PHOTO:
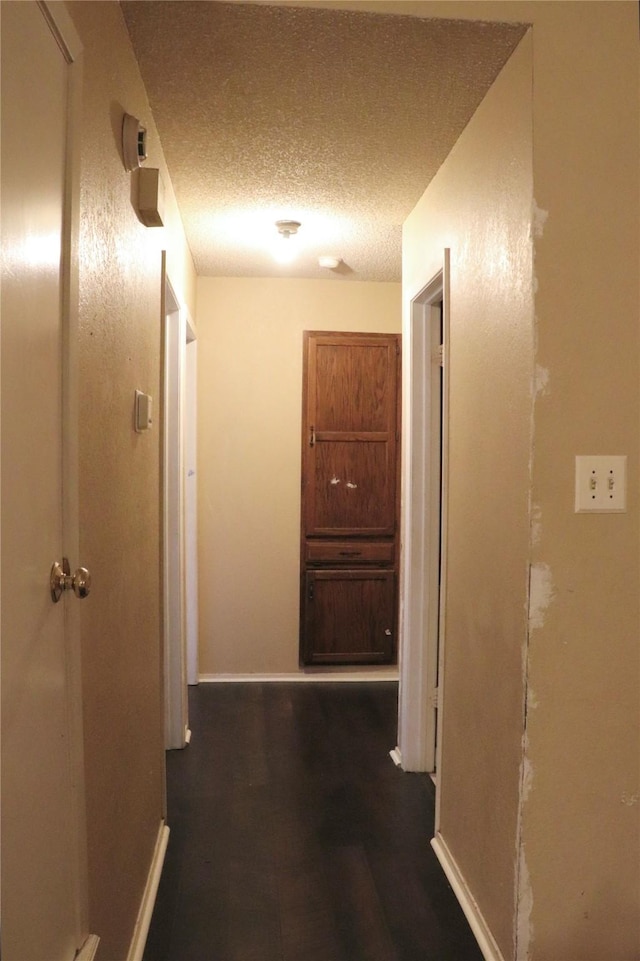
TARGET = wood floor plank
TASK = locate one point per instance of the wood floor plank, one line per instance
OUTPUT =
(307, 914)
(253, 919)
(360, 916)
(294, 837)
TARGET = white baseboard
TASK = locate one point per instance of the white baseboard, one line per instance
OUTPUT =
(88, 950)
(141, 930)
(314, 678)
(481, 932)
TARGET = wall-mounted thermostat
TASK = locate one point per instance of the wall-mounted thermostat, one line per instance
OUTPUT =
(142, 412)
(134, 142)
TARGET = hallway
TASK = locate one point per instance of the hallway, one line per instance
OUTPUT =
(295, 838)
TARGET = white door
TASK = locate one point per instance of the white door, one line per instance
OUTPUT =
(175, 661)
(191, 503)
(43, 878)
(423, 528)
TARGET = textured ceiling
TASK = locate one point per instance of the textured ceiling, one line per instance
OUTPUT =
(335, 118)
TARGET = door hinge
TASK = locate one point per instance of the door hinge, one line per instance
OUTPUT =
(433, 697)
(438, 356)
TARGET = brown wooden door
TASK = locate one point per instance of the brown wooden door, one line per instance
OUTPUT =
(349, 616)
(349, 497)
(351, 426)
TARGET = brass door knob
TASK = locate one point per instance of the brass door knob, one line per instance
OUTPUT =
(61, 579)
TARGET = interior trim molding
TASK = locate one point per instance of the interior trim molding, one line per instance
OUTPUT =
(88, 950)
(308, 677)
(141, 930)
(477, 923)
(423, 569)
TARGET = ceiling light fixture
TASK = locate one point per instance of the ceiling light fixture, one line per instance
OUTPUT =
(285, 251)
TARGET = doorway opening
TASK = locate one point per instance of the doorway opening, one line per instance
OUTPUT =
(424, 526)
(179, 519)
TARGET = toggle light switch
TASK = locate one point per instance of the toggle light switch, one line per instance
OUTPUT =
(601, 483)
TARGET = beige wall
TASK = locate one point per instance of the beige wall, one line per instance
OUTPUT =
(249, 423)
(119, 351)
(581, 836)
(573, 853)
(479, 206)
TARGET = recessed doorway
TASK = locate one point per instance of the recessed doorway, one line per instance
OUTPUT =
(423, 526)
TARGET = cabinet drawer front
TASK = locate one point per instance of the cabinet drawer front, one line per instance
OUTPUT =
(349, 552)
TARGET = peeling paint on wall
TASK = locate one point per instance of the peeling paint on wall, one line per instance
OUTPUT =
(541, 594)
(539, 218)
(536, 524)
(541, 382)
(630, 799)
(523, 933)
(524, 928)
(527, 779)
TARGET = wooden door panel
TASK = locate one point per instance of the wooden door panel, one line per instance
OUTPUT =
(349, 617)
(350, 434)
(354, 387)
(353, 488)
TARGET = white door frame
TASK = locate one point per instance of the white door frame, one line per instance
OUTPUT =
(422, 573)
(191, 501)
(173, 567)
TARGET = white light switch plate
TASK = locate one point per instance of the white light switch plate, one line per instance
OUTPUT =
(601, 483)
(142, 413)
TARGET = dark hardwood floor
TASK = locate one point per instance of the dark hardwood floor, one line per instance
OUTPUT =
(295, 838)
